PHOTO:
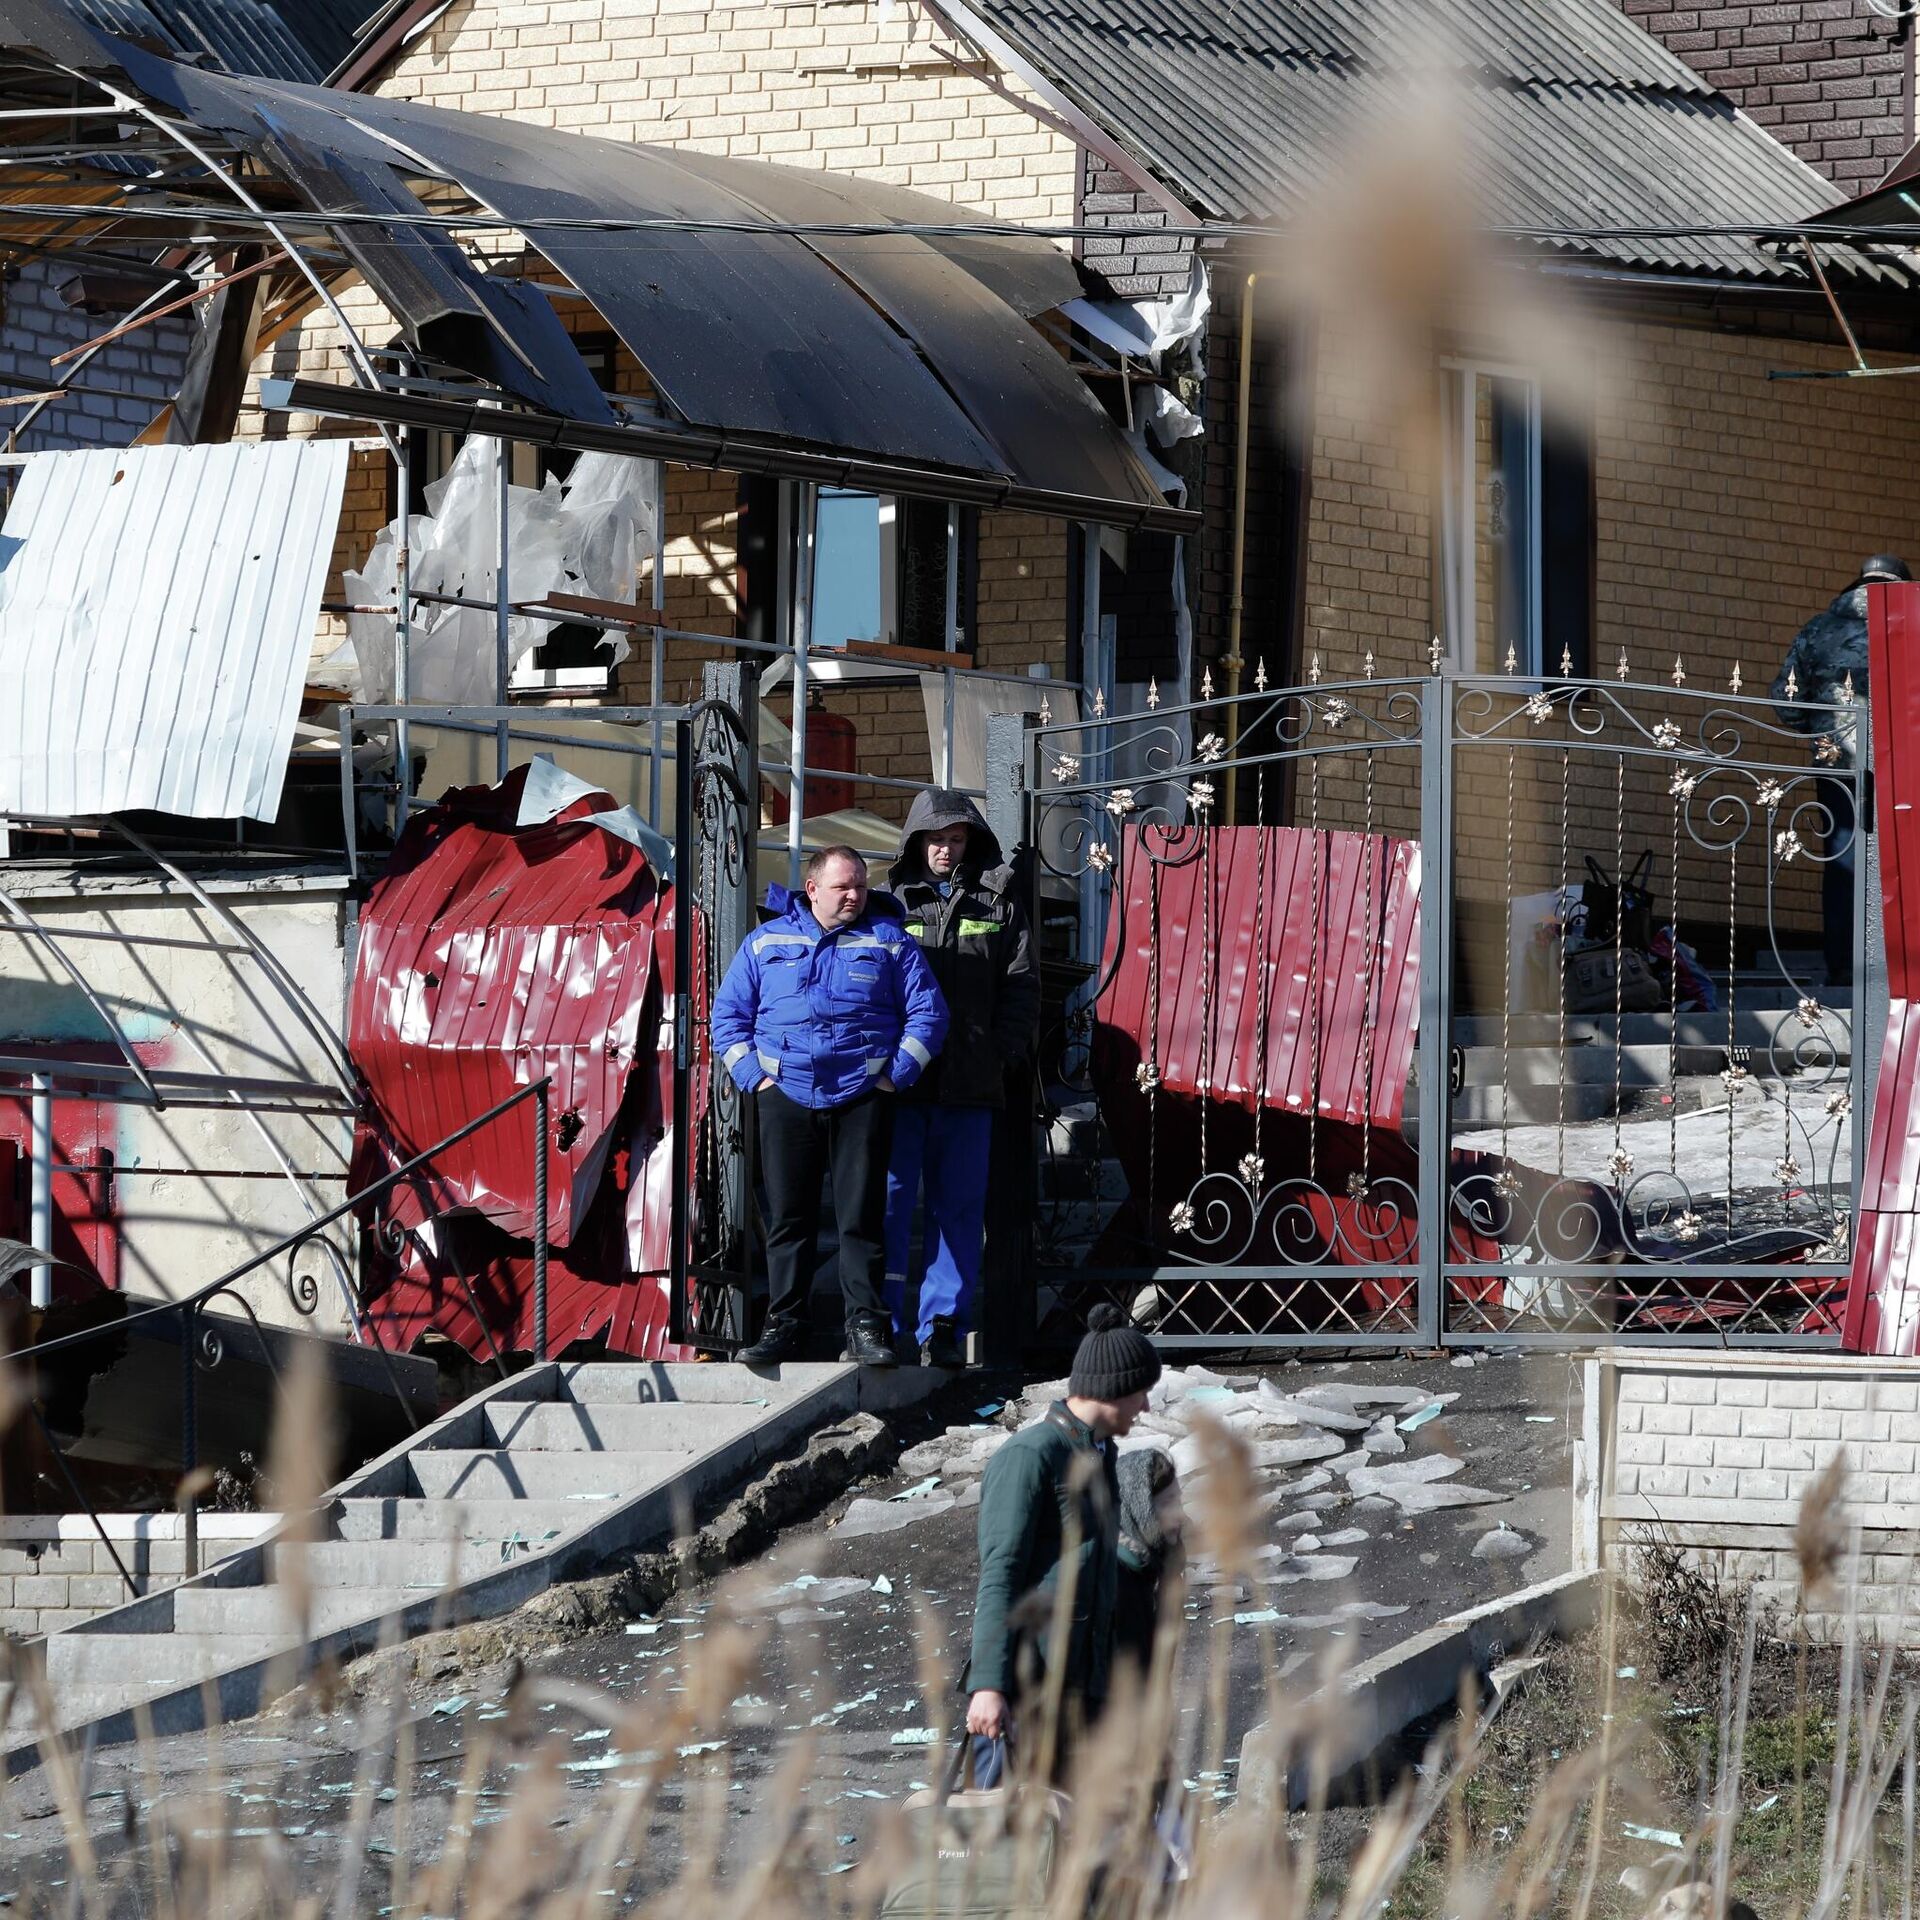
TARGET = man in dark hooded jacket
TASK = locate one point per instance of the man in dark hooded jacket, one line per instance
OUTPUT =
(1827, 652)
(958, 894)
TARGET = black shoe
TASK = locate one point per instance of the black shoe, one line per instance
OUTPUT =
(779, 1340)
(870, 1342)
(943, 1346)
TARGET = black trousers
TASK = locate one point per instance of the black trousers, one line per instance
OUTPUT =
(849, 1146)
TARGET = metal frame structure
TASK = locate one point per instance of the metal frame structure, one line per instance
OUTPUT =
(1539, 1240)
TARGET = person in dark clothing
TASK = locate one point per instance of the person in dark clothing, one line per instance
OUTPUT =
(1056, 1477)
(824, 1012)
(1827, 652)
(957, 893)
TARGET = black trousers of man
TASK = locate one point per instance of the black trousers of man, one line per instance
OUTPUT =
(799, 1146)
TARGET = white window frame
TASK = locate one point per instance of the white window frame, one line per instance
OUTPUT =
(1460, 482)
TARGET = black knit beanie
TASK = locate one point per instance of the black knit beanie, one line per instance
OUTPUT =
(1114, 1359)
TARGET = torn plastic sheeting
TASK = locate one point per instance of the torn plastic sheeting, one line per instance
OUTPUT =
(583, 536)
(1146, 328)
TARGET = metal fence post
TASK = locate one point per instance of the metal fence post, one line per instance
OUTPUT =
(686, 869)
(1436, 994)
(1005, 1319)
(542, 1138)
(189, 1437)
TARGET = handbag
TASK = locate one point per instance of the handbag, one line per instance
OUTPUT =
(970, 1857)
(1599, 980)
(1627, 905)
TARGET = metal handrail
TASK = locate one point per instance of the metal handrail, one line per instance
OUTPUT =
(305, 1295)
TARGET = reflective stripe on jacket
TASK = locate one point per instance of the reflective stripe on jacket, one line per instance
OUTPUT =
(826, 1015)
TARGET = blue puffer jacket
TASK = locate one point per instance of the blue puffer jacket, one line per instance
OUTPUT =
(824, 1015)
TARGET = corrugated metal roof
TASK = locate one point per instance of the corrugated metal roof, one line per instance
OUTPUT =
(271, 39)
(157, 607)
(1530, 40)
(1573, 116)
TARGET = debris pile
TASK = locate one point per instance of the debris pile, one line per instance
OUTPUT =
(1339, 1466)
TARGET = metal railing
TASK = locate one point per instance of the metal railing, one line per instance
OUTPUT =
(1369, 898)
(203, 1346)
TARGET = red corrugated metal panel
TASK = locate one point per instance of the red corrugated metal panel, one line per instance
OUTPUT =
(1883, 1291)
(1268, 879)
(490, 955)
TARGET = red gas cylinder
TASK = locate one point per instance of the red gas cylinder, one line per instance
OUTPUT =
(830, 745)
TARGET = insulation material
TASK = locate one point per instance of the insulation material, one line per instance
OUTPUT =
(515, 937)
(157, 607)
(585, 535)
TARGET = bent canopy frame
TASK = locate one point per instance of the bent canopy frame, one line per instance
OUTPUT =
(781, 316)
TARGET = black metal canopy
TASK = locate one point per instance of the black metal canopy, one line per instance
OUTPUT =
(887, 349)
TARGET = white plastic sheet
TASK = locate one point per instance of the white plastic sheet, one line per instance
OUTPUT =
(583, 536)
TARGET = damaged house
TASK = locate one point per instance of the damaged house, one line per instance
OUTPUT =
(585, 377)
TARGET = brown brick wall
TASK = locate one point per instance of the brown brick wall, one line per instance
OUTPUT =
(1830, 78)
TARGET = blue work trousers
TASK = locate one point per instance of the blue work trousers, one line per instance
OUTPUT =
(946, 1148)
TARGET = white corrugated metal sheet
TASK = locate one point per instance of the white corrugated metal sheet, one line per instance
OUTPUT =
(157, 607)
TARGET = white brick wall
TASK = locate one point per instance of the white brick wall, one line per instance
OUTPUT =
(1716, 1451)
(56, 1571)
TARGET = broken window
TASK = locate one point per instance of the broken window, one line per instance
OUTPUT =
(880, 570)
(1516, 526)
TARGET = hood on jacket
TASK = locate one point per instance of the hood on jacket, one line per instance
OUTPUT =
(932, 809)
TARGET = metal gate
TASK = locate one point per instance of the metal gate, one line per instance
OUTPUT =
(1347, 1043)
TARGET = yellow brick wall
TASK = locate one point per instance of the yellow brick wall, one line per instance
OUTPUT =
(1729, 508)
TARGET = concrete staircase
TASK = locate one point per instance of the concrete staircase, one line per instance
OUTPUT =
(536, 1480)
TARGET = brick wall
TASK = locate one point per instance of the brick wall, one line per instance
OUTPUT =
(1830, 78)
(1729, 508)
(39, 324)
(1716, 1451)
(55, 1571)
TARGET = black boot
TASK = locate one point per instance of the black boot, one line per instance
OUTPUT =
(943, 1346)
(779, 1340)
(870, 1341)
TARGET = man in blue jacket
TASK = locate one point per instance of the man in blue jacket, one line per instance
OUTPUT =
(824, 1013)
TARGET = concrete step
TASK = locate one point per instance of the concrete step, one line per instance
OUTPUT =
(1588, 1063)
(460, 1473)
(550, 1426)
(138, 1665)
(269, 1610)
(459, 1519)
(419, 1566)
(1754, 1025)
(631, 1383)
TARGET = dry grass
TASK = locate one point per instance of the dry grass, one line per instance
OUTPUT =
(1787, 1772)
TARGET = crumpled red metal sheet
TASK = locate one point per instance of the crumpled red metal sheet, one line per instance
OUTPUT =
(1251, 900)
(491, 955)
(1883, 1290)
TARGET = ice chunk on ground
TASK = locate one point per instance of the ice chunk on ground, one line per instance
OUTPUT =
(1503, 1543)
(1296, 1522)
(1383, 1437)
(1346, 1537)
(1310, 1566)
(1404, 1473)
(1432, 1496)
(1309, 1445)
(888, 1516)
(1306, 1412)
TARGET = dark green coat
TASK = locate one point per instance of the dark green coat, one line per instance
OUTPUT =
(1024, 1501)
